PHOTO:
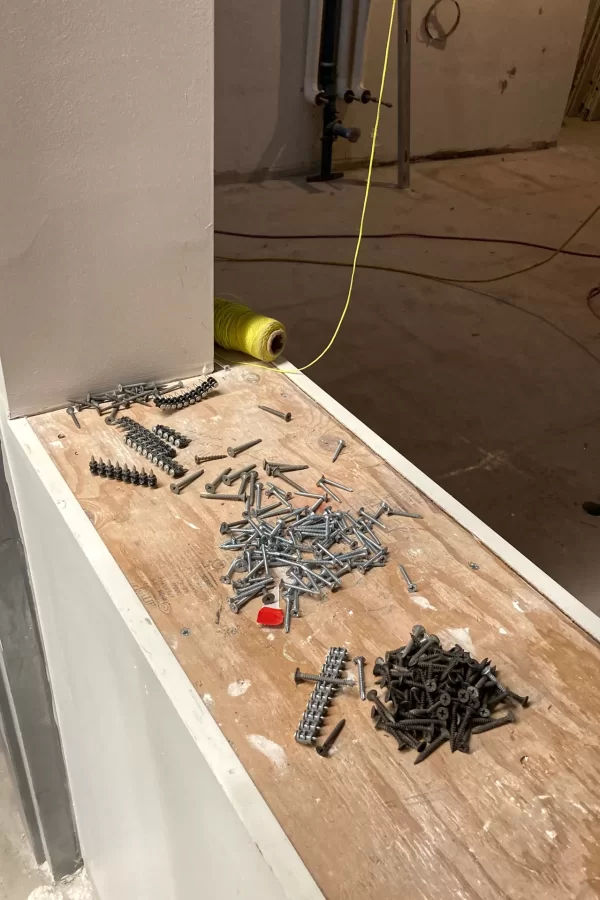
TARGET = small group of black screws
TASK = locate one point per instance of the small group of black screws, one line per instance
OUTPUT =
(171, 436)
(188, 398)
(151, 447)
(434, 696)
(122, 473)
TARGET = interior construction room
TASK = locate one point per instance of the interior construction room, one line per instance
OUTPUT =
(300, 496)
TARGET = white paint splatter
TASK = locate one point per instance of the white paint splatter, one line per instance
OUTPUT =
(551, 835)
(239, 687)
(270, 637)
(208, 700)
(56, 444)
(350, 613)
(190, 525)
(517, 607)
(503, 631)
(62, 504)
(486, 825)
(287, 656)
(543, 796)
(75, 887)
(458, 636)
(269, 749)
(423, 602)
(579, 807)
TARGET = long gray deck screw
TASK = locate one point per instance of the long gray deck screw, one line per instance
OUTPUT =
(278, 474)
(212, 486)
(71, 412)
(409, 582)
(338, 450)
(220, 496)
(232, 477)
(233, 451)
(178, 486)
(494, 723)
(360, 662)
(286, 416)
(329, 741)
(299, 677)
(432, 746)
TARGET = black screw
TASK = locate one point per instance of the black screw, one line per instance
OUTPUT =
(185, 632)
(494, 723)
(432, 746)
(328, 743)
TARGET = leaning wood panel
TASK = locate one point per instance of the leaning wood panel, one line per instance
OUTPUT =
(520, 814)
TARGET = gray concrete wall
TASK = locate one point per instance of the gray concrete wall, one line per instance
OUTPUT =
(500, 81)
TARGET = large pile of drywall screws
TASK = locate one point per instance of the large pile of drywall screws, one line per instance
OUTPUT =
(316, 548)
(433, 696)
(117, 472)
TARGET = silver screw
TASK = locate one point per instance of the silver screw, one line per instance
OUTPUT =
(338, 450)
(409, 582)
(233, 451)
(275, 412)
(360, 662)
(288, 615)
(336, 484)
(299, 677)
(71, 412)
(178, 486)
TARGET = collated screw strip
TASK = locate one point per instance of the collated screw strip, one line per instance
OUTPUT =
(170, 435)
(318, 703)
(188, 398)
(123, 473)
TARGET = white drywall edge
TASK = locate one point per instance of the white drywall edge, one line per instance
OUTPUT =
(538, 579)
(260, 823)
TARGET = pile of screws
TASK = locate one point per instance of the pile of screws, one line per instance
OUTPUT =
(122, 473)
(123, 396)
(326, 685)
(171, 436)
(436, 695)
(302, 541)
(188, 398)
(151, 447)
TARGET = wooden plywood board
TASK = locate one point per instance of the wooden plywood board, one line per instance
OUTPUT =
(520, 813)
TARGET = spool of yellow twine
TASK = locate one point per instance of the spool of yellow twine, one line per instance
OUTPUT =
(237, 327)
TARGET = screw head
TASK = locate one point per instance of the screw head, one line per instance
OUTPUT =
(185, 632)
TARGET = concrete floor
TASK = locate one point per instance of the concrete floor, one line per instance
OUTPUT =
(20, 878)
(495, 397)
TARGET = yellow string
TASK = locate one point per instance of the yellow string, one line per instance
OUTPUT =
(362, 217)
(237, 327)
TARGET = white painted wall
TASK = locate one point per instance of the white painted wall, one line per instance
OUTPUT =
(106, 154)
(459, 101)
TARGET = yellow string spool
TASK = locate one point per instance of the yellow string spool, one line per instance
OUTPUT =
(237, 327)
